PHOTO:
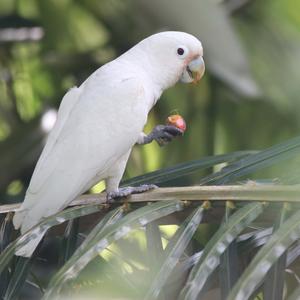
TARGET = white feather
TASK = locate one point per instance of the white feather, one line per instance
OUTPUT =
(87, 141)
(82, 148)
(97, 125)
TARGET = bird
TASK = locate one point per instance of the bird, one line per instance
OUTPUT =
(100, 121)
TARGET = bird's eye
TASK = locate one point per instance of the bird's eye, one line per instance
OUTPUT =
(180, 51)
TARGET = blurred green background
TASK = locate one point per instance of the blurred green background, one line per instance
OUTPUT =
(248, 98)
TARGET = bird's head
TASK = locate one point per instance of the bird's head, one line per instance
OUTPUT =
(171, 56)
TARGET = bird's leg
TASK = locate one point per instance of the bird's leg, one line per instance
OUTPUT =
(126, 191)
(112, 182)
(162, 134)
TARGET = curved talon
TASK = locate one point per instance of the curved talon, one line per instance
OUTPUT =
(126, 191)
(173, 130)
(163, 134)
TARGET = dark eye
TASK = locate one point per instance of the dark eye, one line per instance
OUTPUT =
(180, 51)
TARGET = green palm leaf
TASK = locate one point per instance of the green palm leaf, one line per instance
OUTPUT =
(109, 219)
(18, 278)
(186, 168)
(216, 246)
(229, 263)
(69, 241)
(154, 245)
(43, 226)
(6, 230)
(279, 242)
(174, 251)
(254, 162)
(274, 283)
(295, 295)
(99, 242)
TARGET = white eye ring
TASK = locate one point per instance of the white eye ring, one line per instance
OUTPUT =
(182, 52)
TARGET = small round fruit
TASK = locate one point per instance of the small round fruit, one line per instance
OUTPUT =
(177, 121)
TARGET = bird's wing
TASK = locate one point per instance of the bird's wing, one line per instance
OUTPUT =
(67, 104)
(100, 126)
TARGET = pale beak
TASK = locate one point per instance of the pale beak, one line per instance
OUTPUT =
(194, 71)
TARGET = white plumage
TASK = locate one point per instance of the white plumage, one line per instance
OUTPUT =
(98, 123)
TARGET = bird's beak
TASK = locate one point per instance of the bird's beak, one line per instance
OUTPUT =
(194, 71)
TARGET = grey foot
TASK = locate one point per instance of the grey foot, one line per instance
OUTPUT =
(126, 191)
(163, 134)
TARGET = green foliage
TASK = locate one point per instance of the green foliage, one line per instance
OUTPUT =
(153, 251)
(56, 219)
(106, 236)
(110, 246)
(216, 246)
(174, 251)
(266, 257)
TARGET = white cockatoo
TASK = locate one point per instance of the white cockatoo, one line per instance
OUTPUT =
(99, 122)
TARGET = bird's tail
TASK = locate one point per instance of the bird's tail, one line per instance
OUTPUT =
(18, 218)
(28, 248)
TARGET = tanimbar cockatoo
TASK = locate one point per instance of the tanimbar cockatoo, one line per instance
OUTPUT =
(100, 121)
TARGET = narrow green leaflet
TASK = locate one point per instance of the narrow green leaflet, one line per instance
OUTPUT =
(216, 246)
(109, 219)
(279, 242)
(111, 233)
(254, 239)
(174, 250)
(183, 169)
(154, 246)
(274, 283)
(18, 278)
(43, 226)
(295, 295)
(229, 263)
(6, 229)
(254, 162)
(69, 241)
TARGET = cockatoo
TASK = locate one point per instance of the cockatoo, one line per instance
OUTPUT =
(100, 121)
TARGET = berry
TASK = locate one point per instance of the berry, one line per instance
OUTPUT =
(177, 121)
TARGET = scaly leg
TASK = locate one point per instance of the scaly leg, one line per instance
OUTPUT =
(113, 180)
(129, 190)
(162, 134)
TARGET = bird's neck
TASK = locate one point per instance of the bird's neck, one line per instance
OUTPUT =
(160, 75)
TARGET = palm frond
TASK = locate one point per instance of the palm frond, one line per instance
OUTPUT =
(279, 242)
(113, 232)
(43, 226)
(154, 245)
(69, 241)
(183, 169)
(238, 236)
(210, 258)
(254, 162)
(295, 295)
(18, 277)
(229, 264)
(274, 283)
(6, 230)
(174, 251)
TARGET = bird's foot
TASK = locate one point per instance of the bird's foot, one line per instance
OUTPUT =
(126, 191)
(163, 134)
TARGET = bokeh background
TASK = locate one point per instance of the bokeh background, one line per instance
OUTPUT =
(248, 99)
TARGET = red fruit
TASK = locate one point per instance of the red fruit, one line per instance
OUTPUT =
(177, 121)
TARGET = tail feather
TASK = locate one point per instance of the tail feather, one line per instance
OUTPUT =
(19, 218)
(22, 221)
(27, 249)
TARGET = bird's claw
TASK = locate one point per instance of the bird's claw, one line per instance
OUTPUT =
(126, 191)
(164, 134)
